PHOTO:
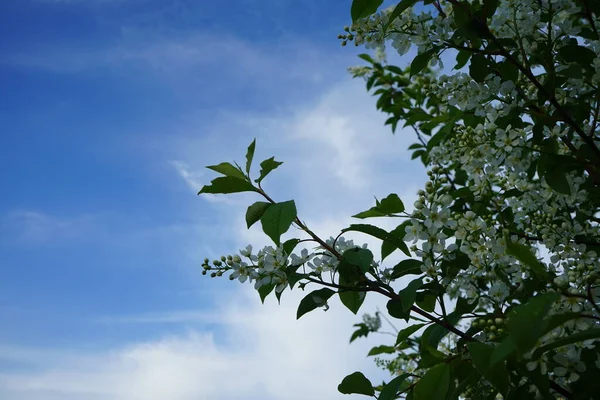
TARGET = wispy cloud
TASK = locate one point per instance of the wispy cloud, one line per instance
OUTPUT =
(174, 317)
(34, 226)
(262, 353)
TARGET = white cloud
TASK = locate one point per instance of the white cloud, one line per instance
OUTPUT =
(35, 227)
(260, 352)
(336, 154)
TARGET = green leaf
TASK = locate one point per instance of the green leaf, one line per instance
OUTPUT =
(572, 338)
(406, 332)
(227, 169)
(406, 267)
(361, 258)
(266, 167)
(370, 213)
(379, 233)
(290, 245)
(523, 253)
(353, 299)
(315, 299)
(479, 68)
(504, 350)
(525, 322)
(368, 229)
(509, 71)
(250, 155)
(420, 62)
(490, 7)
(363, 8)
(264, 291)
(408, 295)
(557, 180)
(395, 240)
(392, 204)
(434, 384)
(255, 212)
(363, 330)
(367, 58)
(391, 389)
(435, 333)
(399, 9)
(394, 308)
(462, 58)
(294, 277)
(381, 350)
(497, 375)
(226, 185)
(426, 301)
(579, 54)
(278, 218)
(356, 383)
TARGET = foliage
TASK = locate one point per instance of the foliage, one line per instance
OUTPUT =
(505, 234)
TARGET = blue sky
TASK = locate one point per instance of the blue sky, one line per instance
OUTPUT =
(109, 109)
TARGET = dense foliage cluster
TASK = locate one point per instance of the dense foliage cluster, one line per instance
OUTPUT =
(504, 238)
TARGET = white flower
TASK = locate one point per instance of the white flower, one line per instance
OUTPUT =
(241, 271)
(412, 232)
(247, 251)
(319, 265)
(499, 292)
(303, 258)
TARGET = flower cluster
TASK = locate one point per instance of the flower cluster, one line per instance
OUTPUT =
(271, 266)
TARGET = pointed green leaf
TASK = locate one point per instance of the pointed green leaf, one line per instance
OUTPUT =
(408, 295)
(395, 240)
(255, 212)
(290, 245)
(434, 384)
(368, 229)
(266, 167)
(264, 291)
(370, 213)
(525, 322)
(390, 390)
(352, 299)
(406, 332)
(361, 258)
(406, 267)
(578, 337)
(398, 10)
(420, 62)
(227, 184)
(278, 218)
(479, 68)
(557, 180)
(381, 350)
(426, 301)
(497, 375)
(395, 309)
(227, 169)
(315, 299)
(523, 253)
(356, 383)
(363, 8)
(250, 155)
(391, 204)
(363, 330)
